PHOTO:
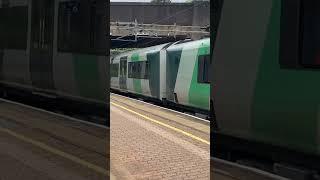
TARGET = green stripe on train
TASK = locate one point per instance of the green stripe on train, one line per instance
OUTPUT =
(199, 92)
(86, 75)
(136, 82)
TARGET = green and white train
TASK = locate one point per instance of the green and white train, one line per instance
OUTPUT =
(266, 81)
(55, 49)
(173, 73)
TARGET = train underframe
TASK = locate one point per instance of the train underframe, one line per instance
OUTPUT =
(275, 159)
(57, 103)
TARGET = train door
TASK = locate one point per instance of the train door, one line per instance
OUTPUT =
(41, 47)
(123, 73)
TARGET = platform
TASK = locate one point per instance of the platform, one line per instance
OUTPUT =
(151, 142)
(36, 144)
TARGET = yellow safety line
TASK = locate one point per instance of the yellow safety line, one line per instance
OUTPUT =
(56, 151)
(163, 124)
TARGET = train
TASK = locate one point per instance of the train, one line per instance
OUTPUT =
(265, 83)
(173, 74)
(56, 49)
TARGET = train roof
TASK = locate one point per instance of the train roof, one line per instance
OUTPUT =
(189, 44)
(171, 46)
(142, 50)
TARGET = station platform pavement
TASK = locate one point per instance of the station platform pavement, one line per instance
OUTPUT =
(36, 144)
(151, 142)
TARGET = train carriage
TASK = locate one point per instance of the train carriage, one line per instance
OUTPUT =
(187, 72)
(266, 72)
(138, 71)
(56, 49)
(172, 73)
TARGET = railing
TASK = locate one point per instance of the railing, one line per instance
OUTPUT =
(123, 29)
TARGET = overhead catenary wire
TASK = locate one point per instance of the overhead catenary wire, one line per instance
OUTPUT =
(179, 12)
(153, 24)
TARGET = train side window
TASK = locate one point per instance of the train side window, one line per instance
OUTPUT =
(300, 34)
(123, 66)
(203, 68)
(13, 27)
(138, 70)
(129, 70)
(114, 70)
(82, 27)
(311, 34)
(146, 70)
